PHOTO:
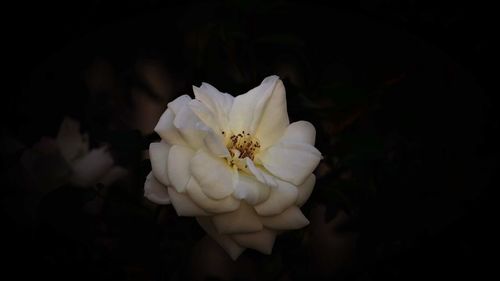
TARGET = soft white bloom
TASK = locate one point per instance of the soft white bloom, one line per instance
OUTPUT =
(88, 166)
(234, 163)
(54, 162)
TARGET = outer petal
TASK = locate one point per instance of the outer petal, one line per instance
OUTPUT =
(274, 118)
(292, 162)
(213, 175)
(234, 250)
(155, 191)
(177, 104)
(190, 127)
(249, 189)
(214, 139)
(261, 241)
(291, 218)
(226, 204)
(183, 205)
(243, 220)
(247, 109)
(179, 157)
(205, 114)
(305, 190)
(158, 153)
(166, 129)
(300, 132)
(218, 103)
(280, 199)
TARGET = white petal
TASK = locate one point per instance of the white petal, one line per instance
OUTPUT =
(70, 141)
(300, 132)
(291, 218)
(179, 157)
(190, 127)
(213, 98)
(204, 114)
(214, 139)
(218, 103)
(249, 189)
(226, 204)
(158, 153)
(281, 197)
(274, 118)
(90, 168)
(243, 220)
(213, 174)
(166, 129)
(155, 191)
(177, 104)
(234, 250)
(261, 176)
(305, 190)
(247, 109)
(183, 205)
(261, 241)
(292, 162)
(215, 144)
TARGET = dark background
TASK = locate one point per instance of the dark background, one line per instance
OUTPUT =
(432, 214)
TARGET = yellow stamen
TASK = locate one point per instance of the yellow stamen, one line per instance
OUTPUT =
(240, 146)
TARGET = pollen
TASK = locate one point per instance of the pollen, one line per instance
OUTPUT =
(242, 145)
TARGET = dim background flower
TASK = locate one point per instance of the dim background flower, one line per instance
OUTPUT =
(55, 162)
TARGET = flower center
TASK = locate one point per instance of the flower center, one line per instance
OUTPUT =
(242, 145)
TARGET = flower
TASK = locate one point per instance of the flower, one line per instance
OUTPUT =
(53, 162)
(88, 166)
(67, 158)
(234, 163)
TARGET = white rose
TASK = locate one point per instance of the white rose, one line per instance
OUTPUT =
(234, 163)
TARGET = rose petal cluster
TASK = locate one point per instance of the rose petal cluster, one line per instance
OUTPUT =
(234, 163)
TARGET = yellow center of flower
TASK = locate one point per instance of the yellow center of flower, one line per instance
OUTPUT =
(240, 146)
